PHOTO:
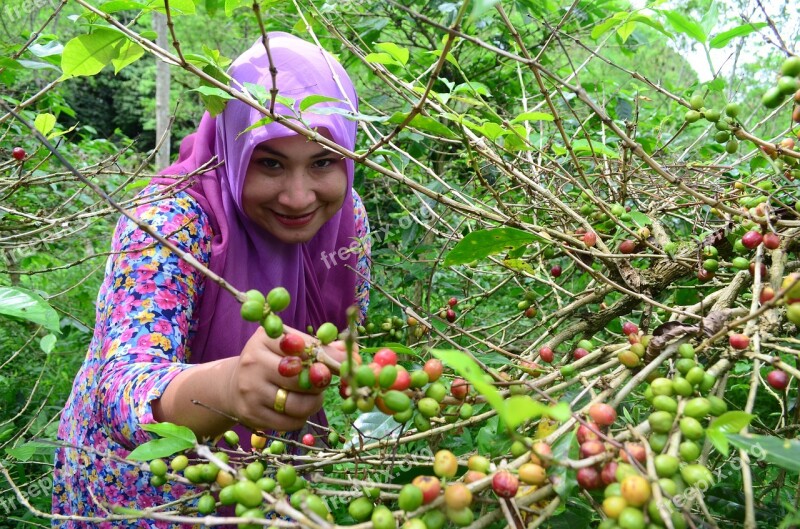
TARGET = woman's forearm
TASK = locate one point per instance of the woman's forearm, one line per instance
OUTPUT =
(197, 398)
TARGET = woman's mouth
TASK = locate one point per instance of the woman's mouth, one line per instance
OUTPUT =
(294, 221)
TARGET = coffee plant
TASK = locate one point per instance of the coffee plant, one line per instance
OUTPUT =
(586, 285)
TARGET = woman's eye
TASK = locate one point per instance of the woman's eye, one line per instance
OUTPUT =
(270, 163)
(324, 163)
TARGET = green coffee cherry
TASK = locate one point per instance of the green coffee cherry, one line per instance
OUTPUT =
(278, 299)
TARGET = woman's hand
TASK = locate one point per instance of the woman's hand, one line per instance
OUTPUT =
(255, 383)
(245, 387)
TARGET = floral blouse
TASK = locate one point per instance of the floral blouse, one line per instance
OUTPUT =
(145, 316)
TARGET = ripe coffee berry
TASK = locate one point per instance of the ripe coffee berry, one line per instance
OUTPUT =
(629, 328)
(292, 344)
(18, 153)
(290, 366)
(589, 478)
(546, 354)
(434, 369)
(587, 432)
(751, 240)
(603, 414)
(739, 341)
(319, 375)
(771, 241)
(308, 439)
(459, 388)
(579, 353)
(450, 315)
(385, 357)
(627, 246)
(555, 271)
(452, 302)
(505, 484)
(778, 379)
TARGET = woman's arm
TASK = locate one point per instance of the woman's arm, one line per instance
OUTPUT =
(364, 263)
(144, 312)
(243, 387)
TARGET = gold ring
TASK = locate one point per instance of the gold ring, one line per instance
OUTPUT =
(280, 400)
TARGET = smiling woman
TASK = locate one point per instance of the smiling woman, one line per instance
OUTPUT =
(166, 338)
(293, 187)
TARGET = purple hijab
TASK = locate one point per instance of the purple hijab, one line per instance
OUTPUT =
(241, 252)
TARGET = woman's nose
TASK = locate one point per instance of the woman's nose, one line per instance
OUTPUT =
(297, 193)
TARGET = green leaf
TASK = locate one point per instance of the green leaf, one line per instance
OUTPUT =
(316, 99)
(259, 92)
(560, 412)
(521, 408)
(121, 5)
(685, 25)
(472, 87)
(213, 98)
(127, 53)
(397, 347)
(583, 146)
(710, 17)
(171, 431)
(722, 40)
(625, 30)
(784, 453)
(47, 343)
(176, 7)
(727, 423)
(423, 123)
(492, 130)
(604, 27)
(483, 243)
(232, 5)
(514, 410)
(465, 366)
(44, 123)
(564, 480)
(27, 305)
(88, 54)
(266, 120)
(349, 114)
(212, 91)
(519, 265)
(533, 116)
(26, 451)
(382, 58)
(655, 24)
(479, 7)
(396, 52)
(640, 218)
(158, 448)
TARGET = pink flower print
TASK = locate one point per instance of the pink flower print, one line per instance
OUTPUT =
(145, 287)
(126, 335)
(166, 299)
(143, 341)
(146, 274)
(163, 327)
(185, 268)
(119, 312)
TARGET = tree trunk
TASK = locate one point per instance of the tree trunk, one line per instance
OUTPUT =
(162, 95)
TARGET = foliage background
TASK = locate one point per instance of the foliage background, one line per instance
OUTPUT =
(54, 232)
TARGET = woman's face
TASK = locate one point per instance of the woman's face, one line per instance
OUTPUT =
(292, 187)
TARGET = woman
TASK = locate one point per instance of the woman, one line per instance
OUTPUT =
(267, 215)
